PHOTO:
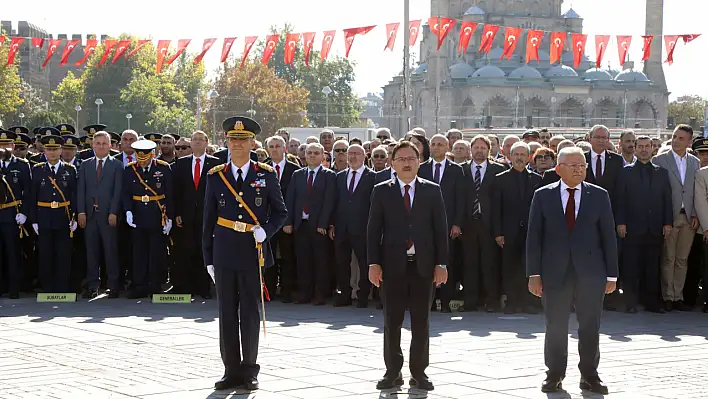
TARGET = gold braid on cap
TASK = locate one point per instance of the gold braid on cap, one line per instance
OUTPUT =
(142, 157)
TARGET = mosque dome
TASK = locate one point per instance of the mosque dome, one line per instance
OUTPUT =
(474, 10)
(597, 74)
(525, 72)
(422, 68)
(571, 14)
(561, 71)
(461, 70)
(489, 71)
(629, 75)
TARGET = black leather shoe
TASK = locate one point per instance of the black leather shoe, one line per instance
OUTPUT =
(682, 306)
(445, 309)
(379, 305)
(421, 383)
(228, 383)
(89, 294)
(464, 308)
(594, 385)
(206, 295)
(668, 306)
(551, 385)
(15, 295)
(389, 382)
(531, 310)
(490, 309)
(319, 302)
(655, 309)
(362, 303)
(342, 300)
(251, 384)
(705, 308)
(631, 309)
(509, 310)
(112, 294)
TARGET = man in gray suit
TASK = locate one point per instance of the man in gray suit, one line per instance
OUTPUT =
(571, 257)
(99, 190)
(682, 168)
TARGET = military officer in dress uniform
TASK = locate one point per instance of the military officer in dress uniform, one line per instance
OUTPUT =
(149, 210)
(22, 143)
(90, 131)
(243, 209)
(154, 137)
(51, 207)
(115, 143)
(38, 133)
(78, 265)
(69, 150)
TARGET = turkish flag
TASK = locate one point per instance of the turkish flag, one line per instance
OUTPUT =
(137, 48)
(37, 42)
(413, 29)
(181, 46)
(2, 39)
(647, 46)
(689, 38)
(121, 48)
(271, 43)
(441, 26)
(327, 43)
(391, 32)
(557, 43)
(623, 43)
(601, 42)
(350, 34)
(205, 47)
(533, 43)
(226, 48)
(14, 46)
(162, 47)
(53, 44)
(308, 39)
(108, 44)
(466, 31)
(291, 41)
(70, 46)
(488, 37)
(247, 48)
(511, 37)
(670, 42)
(579, 41)
(89, 48)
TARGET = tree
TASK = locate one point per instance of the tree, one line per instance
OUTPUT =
(68, 94)
(687, 107)
(32, 103)
(44, 118)
(172, 119)
(10, 86)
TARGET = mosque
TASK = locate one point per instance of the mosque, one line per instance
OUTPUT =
(481, 91)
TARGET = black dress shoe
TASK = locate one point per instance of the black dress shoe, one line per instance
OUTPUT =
(251, 384)
(631, 309)
(531, 310)
(90, 294)
(681, 306)
(668, 306)
(551, 385)
(594, 385)
(445, 309)
(112, 294)
(423, 383)
(342, 300)
(390, 382)
(655, 309)
(490, 309)
(509, 310)
(206, 295)
(464, 308)
(319, 302)
(362, 303)
(379, 305)
(15, 295)
(228, 383)
(286, 299)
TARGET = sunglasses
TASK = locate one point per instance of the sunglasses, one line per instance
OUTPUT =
(383, 137)
(181, 147)
(379, 157)
(340, 150)
(544, 157)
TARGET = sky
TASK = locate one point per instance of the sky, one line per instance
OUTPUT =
(159, 19)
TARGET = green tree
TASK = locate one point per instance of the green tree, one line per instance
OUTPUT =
(44, 118)
(68, 94)
(32, 102)
(687, 107)
(172, 119)
(10, 87)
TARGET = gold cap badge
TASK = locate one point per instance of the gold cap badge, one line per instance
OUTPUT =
(63, 128)
(238, 125)
(51, 141)
(18, 130)
(92, 130)
(3, 136)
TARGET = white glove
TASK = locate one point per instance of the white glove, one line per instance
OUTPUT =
(129, 218)
(259, 233)
(210, 270)
(35, 226)
(168, 227)
(20, 218)
(73, 225)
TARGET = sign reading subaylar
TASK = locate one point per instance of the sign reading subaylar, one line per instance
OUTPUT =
(171, 298)
(56, 297)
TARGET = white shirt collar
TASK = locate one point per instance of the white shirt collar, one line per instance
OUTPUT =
(678, 157)
(403, 185)
(595, 155)
(358, 171)
(282, 164)
(564, 186)
(244, 169)
(102, 159)
(201, 158)
(483, 164)
(317, 169)
(125, 156)
(442, 163)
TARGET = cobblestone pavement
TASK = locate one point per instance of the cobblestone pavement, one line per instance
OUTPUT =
(130, 349)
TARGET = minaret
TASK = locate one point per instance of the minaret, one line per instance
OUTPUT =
(653, 67)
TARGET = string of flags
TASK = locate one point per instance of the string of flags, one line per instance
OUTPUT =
(439, 26)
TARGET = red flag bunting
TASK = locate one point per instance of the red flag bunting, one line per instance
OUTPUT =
(579, 41)
(181, 46)
(466, 31)
(350, 34)
(308, 39)
(70, 46)
(162, 47)
(108, 44)
(137, 48)
(391, 32)
(413, 30)
(670, 42)
(88, 50)
(247, 48)
(2, 39)
(327, 43)
(14, 46)
(205, 47)
(226, 48)
(623, 43)
(291, 41)
(533, 43)
(647, 46)
(557, 43)
(53, 44)
(488, 38)
(601, 42)
(271, 43)
(121, 48)
(441, 27)
(511, 37)
(37, 42)
(689, 38)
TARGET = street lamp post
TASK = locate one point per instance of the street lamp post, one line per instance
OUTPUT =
(98, 103)
(77, 109)
(129, 117)
(22, 117)
(326, 91)
(212, 96)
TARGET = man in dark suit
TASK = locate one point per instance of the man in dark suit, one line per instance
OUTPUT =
(481, 261)
(189, 174)
(125, 232)
(644, 216)
(98, 206)
(448, 175)
(310, 201)
(351, 213)
(407, 239)
(571, 257)
(603, 166)
(385, 175)
(513, 192)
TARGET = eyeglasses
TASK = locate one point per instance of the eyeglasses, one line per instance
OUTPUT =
(382, 137)
(576, 166)
(406, 159)
(340, 150)
(379, 156)
(181, 147)
(544, 157)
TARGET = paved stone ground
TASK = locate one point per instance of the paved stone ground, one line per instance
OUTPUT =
(129, 349)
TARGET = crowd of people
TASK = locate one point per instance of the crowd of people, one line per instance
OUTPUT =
(106, 213)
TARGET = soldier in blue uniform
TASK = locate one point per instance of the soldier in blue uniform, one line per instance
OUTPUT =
(115, 144)
(69, 149)
(148, 202)
(78, 265)
(51, 207)
(22, 143)
(90, 131)
(39, 156)
(243, 209)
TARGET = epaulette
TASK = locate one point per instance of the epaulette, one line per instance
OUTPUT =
(163, 163)
(39, 164)
(22, 160)
(265, 166)
(132, 163)
(68, 164)
(217, 168)
(84, 150)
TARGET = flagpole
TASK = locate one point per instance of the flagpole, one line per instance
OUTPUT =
(437, 83)
(406, 65)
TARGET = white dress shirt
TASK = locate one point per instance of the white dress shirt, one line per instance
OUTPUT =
(625, 163)
(411, 193)
(281, 164)
(482, 171)
(442, 168)
(681, 164)
(201, 164)
(55, 167)
(6, 164)
(593, 160)
(359, 172)
(101, 159)
(125, 159)
(306, 216)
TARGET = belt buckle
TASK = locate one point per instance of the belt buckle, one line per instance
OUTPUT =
(54, 205)
(145, 199)
(240, 227)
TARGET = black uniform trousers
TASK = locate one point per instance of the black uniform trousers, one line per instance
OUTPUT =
(514, 279)
(78, 260)
(696, 266)
(125, 253)
(148, 259)
(312, 253)
(11, 252)
(481, 265)
(29, 258)
(415, 293)
(448, 291)
(101, 238)
(640, 272)
(238, 292)
(55, 259)
(557, 300)
(283, 272)
(343, 247)
(189, 272)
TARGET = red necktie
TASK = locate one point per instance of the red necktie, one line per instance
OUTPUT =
(309, 191)
(407, 203)
(197, 173)
(130, 158)
(570, 209)
(351, 183)
(277, 170)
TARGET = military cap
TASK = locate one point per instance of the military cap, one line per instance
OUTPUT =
(65, 128)
(70, 141)
(531, 133)
(18, 129)
(83, 140)
(23, 139)
(156, 137)
(115, 137)
(92, 129)
(143, 149)
(241, 127)
(175, 136)
(7, 136)
(700, 144)
(37, 132)
(52, 140)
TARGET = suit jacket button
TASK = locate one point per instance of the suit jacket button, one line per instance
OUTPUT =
(240, 205)
(240, 216)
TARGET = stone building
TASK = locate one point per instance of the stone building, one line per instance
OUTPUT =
(480, 90)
